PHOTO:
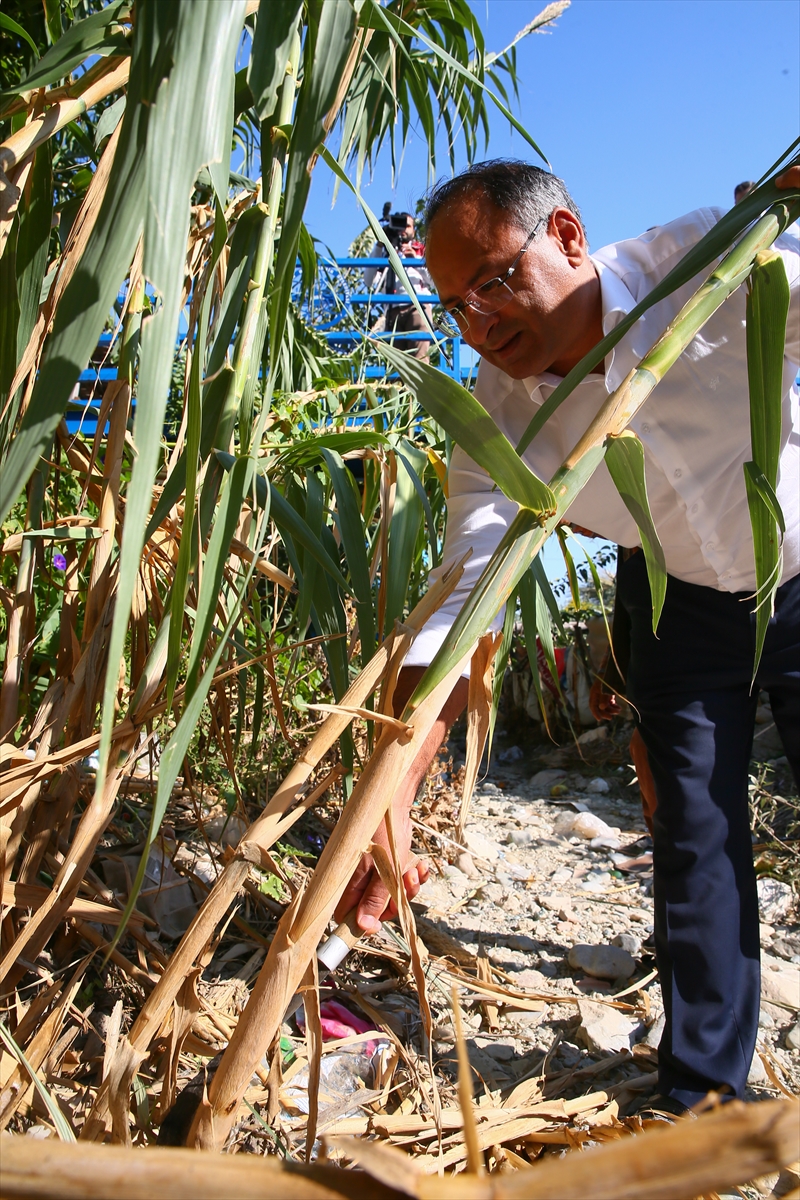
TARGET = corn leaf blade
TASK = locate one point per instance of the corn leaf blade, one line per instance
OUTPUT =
(625, 462)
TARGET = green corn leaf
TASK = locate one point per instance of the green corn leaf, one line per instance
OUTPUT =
(424, 501)
(13, 27)
(374, 15)
(302, 453)
(174, 754)
(379, 231)
(469, 424)
(716, 242)
(109, 120)
(767, 493)
(194, 420)
(767, 311)
(329, 38)
(598, 587)
(63, 1127)
(35, 222)
(625, 462)
(404, 531)
(351, 531)
(536, 624)
(287, 518)
(543, 584)
(99, 34)
(234, 490)
(572, 574)
(500, 664)
(52, 16)
(198, 49)
(275, 27)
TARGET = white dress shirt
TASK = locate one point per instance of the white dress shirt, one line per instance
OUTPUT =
(695, 428)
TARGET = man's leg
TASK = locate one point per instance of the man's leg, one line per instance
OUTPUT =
(779, 670)
(691, 686)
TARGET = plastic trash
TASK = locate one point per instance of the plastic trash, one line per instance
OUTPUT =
(584, 825)
(165, 896)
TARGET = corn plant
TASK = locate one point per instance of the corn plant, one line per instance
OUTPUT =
(151, 575)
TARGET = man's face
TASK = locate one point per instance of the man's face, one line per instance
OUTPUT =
(555, 308)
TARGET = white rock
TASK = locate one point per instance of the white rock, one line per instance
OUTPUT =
(629, 942)
(593, 735)
(546, 779)
(585, 825)
(603, 1029)
(598, 786)
(774, 899)
(780, 982)
(793, 1037)
(467, 866)
(480, 845)
(757, 1075)
(511, 755)
(602, 962)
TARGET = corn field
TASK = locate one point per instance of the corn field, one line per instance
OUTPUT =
(215, 591)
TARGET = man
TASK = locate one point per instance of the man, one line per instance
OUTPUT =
(401, 318)
(508, 254)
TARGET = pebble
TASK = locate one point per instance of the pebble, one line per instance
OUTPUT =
(511, 755)
(593, 735)
(780, 982)
(655, 1031)
(502, 1051)
(467, 866)
(546, 779)
(603, 1029)
(480, 845)
(757, 1075)
(774, 899)
(602, 962)
(598, 786)
(629, 942)
(793, 1037)
(596, 881)
(787, 947)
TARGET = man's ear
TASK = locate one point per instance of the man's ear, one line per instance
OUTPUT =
(568, 233)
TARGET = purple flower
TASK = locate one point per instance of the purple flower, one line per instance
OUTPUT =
(59, 562)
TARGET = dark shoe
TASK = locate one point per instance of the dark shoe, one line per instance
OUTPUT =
(660, 1108)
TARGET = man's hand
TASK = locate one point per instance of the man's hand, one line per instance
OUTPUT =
(790, 178)
(604, 706)
(365, 888)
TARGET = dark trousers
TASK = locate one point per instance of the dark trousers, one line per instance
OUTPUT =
(692, 688)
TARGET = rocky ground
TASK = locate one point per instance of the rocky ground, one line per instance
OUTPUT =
(556, 889)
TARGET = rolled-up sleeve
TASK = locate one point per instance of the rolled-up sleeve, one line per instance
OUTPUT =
(478, 515)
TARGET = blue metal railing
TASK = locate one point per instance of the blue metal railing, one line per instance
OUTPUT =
(82, 414)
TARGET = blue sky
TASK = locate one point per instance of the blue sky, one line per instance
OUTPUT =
(647, 108)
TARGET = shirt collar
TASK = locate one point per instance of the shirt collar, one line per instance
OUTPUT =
(616, 302)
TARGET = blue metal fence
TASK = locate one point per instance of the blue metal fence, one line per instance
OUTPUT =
(346, 330)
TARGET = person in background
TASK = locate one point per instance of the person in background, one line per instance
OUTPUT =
(742, 189)
(400, 228)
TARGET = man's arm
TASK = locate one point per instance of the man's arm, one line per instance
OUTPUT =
(365, 889)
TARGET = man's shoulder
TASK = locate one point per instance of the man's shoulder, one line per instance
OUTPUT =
(643, 261)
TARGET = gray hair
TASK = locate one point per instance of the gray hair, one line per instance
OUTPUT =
(516, 187)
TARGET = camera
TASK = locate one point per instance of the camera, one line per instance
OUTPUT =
(394, 225)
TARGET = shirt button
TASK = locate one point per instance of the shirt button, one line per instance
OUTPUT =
(645, 429)
(678, 473)
(695, 507)
(709, 545)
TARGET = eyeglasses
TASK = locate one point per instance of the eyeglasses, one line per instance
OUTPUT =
(490, 297)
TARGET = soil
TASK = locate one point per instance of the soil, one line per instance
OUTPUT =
(528, 892)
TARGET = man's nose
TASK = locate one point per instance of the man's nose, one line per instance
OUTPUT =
(480, 327)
